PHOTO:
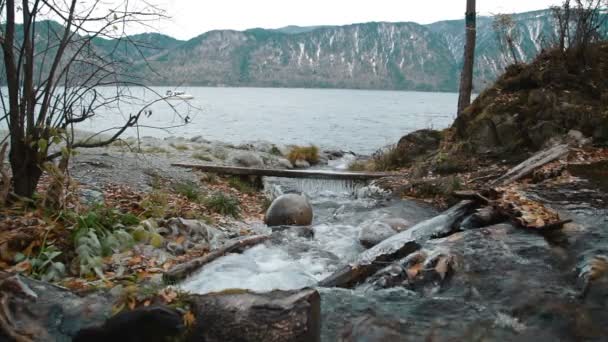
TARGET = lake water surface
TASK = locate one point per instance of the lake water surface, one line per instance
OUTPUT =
(356, 120)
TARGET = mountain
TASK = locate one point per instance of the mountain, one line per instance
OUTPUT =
(376, 55)
(372, 55)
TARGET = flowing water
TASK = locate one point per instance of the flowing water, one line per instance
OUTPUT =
(506, 284)
(293, 259)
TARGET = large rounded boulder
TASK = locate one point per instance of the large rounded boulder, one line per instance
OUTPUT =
(289, 210)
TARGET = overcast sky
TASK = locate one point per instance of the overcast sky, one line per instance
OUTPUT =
(189, 18)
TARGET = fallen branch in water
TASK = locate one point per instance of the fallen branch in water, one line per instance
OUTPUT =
(399, 246)
(181, 271)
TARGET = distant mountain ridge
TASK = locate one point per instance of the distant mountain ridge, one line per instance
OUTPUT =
(375, 55)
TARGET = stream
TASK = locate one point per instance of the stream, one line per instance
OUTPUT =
(503, 283)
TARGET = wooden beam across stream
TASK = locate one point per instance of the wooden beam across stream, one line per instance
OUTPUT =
(319, 174)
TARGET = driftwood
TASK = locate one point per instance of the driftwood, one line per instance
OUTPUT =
(471, 196)
(321, 174)
(399, 246)
(527, 167)
(181, 271)
(238, 315)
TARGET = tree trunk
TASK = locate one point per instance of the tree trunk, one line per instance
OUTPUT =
(25, 167)
(466, 78)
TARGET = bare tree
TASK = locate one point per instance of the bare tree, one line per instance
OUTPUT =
(580, 23)
(54, 74)
(466, 78)
(507, 33)
(561, 16)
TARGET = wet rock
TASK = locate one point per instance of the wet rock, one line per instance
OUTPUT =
(47, 312)
(592, 279)
(334, 154)
(175, 248)
(156, 323)
(299, 231)
(243, 316)
(399, 246)
(301, 164)
(420, 141)
(369, 328)
(397, 224)
(374, 233)
(284, 163)
(414, 145)
(247, 159)
(289, 210)
(483, 217)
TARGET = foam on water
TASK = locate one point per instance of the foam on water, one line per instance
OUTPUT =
(290, 260)
(293, 262)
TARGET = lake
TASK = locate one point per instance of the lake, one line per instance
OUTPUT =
(358, 120)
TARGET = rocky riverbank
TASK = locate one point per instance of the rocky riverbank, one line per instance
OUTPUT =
(448, 271)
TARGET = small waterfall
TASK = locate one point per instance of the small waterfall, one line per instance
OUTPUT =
(355, 189)
(328, 186)
(313, 187)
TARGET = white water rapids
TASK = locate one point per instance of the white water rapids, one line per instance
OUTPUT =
(291, 260)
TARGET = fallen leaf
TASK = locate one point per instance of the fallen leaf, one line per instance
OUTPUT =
(189, 319)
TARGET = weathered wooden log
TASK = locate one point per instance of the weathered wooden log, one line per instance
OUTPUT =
(527, 167)
(399, 246)
(472, 196)
(237, 315)
(321, 174)
(182, 271)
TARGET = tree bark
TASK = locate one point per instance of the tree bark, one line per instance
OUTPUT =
(466, 77)
(25, 167)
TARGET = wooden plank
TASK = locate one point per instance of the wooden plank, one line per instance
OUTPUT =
(321, 174)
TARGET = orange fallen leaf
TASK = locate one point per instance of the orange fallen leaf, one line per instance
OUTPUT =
(189, 319)
(135, 260)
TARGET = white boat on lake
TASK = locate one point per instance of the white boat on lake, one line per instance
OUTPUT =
(177, 95)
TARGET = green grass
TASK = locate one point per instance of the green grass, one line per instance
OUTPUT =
(202, 156)
(190, 190)
(209, 177)
(241, 185)
(358, 166)
(220, 154)
(155, 204)
(223, 204)
(180, 147)
(388, 159)
(275, 151)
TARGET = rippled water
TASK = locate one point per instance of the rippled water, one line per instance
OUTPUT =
(357, 120)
